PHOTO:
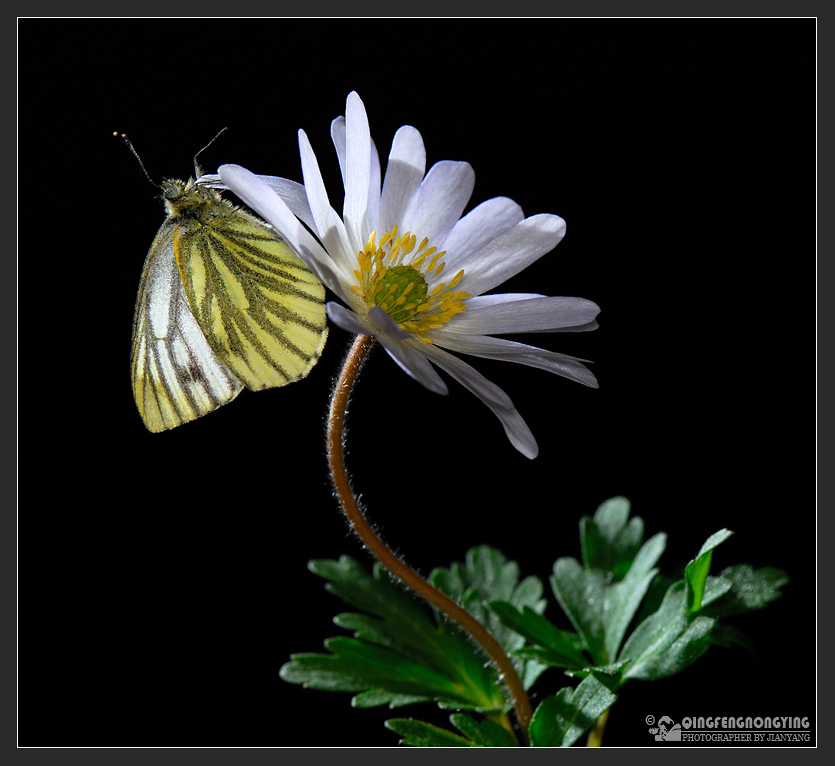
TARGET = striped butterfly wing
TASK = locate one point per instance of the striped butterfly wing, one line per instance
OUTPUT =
(176, 375)
(260, 308)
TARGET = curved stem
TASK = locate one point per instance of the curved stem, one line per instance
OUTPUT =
(342, 486)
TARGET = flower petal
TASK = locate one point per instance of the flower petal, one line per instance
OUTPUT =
(509, 253)
(503, 350)
(495, 398)
(328, 224)
(294, 196)
(386, 325)
(348, 320)
(338, 138)
(407, 356)
(404, 172)
(439, 202)
(415, 365)
(292, 192)
(481, 225)
(357, 170)
(372, 215)
(532, 315)
(495, 299)
(258, 195)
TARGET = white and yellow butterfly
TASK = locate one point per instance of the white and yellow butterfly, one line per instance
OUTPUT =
(223, 303)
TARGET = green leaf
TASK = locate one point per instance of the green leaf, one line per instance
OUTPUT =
(667, 641)
(611, 676)
(740, 589)
(625, 597)
(609, 540)
(356, 666)
(582, 595)
(551, 646)
(379, 697)
(655, 595)
(485, 576)
(420, 734)
(696, 572)
(599, 609)
(400, 619)
(533, 668)
(399, 653)
(485, 733)
(561, 720)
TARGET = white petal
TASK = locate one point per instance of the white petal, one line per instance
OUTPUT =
(495, 299)
(348, 320)
(503, 350)
(292, 192)
(373, 213)
(406, 354)
(438, 204)
(412, 361)
(357, 170)
(533, 315)
(509, 253)
(294, 196)
(386, 325)
(497, 400)
(338, 138)
(404, 172)
(212, 180)
(263, 200)
(328, 226)
(481, 225)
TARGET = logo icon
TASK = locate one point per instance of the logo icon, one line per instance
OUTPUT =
(666, 731)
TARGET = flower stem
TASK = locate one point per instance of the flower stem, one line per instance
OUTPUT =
(596, 734)
(342, 486)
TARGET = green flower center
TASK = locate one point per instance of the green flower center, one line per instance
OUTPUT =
(400, 292)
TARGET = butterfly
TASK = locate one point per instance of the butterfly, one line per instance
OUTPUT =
(223, 304)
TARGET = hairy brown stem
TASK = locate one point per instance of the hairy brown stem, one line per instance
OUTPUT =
(342, 486)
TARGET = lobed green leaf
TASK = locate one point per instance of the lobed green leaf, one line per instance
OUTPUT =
(551, 646)
(484, 733)
(599, 608)
(420, 734)
(667, 641)
(399, 653)
(610, 540)
(741, 588)
(561, 720)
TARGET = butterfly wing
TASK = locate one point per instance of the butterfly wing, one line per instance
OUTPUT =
(260, 308)
(176, 375)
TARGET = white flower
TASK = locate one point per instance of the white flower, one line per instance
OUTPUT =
(411, 271)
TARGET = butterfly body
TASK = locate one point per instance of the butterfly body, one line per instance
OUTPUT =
(223, 304)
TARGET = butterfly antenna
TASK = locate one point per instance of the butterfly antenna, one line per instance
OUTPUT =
(124, 138)
(198, 171)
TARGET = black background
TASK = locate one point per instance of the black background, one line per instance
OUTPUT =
(162, 578)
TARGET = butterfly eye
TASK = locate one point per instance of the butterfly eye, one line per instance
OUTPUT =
(170, 190)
